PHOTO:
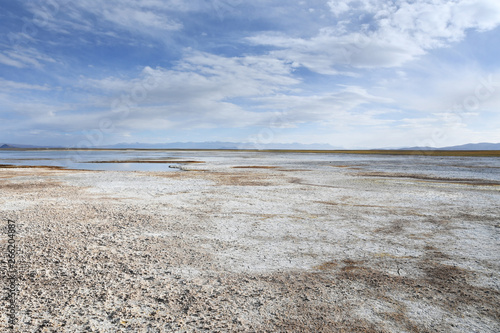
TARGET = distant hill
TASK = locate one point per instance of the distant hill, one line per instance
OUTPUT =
(475, 146)
(468, 146)
(219, 145)
(241, 145)
(15, 145)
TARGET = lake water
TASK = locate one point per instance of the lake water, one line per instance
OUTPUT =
(85, 160)
(486, 168)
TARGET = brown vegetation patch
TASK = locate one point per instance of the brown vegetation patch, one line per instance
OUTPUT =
(464, 181)
(51, 167)
(46, 167)
(220, 178)
(446, 273)
(484, 153)
(327, 266)
(254, 167)
(443, 285)
(332, 203)
(295, 180)
(484, 217)
(394, 227)
(350, 167)
(392, 256)
(240, 179)
(147, 161)
(298, 305)
(351, 262)
(29, 186)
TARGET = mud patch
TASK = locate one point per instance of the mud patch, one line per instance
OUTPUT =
(29, 186)
(443, 285)
(464, 181)
(396, 227)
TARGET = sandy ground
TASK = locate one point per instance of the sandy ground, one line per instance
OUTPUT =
(328, 248)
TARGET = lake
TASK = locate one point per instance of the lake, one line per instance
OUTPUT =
(486, 168)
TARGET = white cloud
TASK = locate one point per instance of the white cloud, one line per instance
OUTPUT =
(6, 60)
(198, 92)
(11, 85)
(144, 20)
(209, 91)
(247, 85)
(208, 77)
(339, 109)
(24, 58)
(146, 17)
(339, 7)
(446, 89)
(374, 33)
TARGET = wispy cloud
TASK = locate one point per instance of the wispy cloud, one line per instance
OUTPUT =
(99, 17)
(11, 85)
(24, 58)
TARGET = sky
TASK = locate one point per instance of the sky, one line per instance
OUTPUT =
(349, 73)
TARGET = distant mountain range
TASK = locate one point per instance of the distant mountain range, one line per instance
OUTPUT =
(16, 145)
(221, 145)
(240, 145)
(195, 145)
(468, 146)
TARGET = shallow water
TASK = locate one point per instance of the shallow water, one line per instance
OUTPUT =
(486, 168)
(83, 160)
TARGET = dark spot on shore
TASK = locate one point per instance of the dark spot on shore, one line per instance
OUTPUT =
(394, 227)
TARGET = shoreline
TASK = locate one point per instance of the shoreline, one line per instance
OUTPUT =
(472, 153)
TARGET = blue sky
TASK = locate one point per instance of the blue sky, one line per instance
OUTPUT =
(351, 73)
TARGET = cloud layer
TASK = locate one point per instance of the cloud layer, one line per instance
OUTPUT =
(347, 72)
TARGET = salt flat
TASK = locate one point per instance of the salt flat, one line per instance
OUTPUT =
(259, 242)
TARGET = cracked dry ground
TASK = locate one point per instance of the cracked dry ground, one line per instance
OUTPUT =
(251, 249)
